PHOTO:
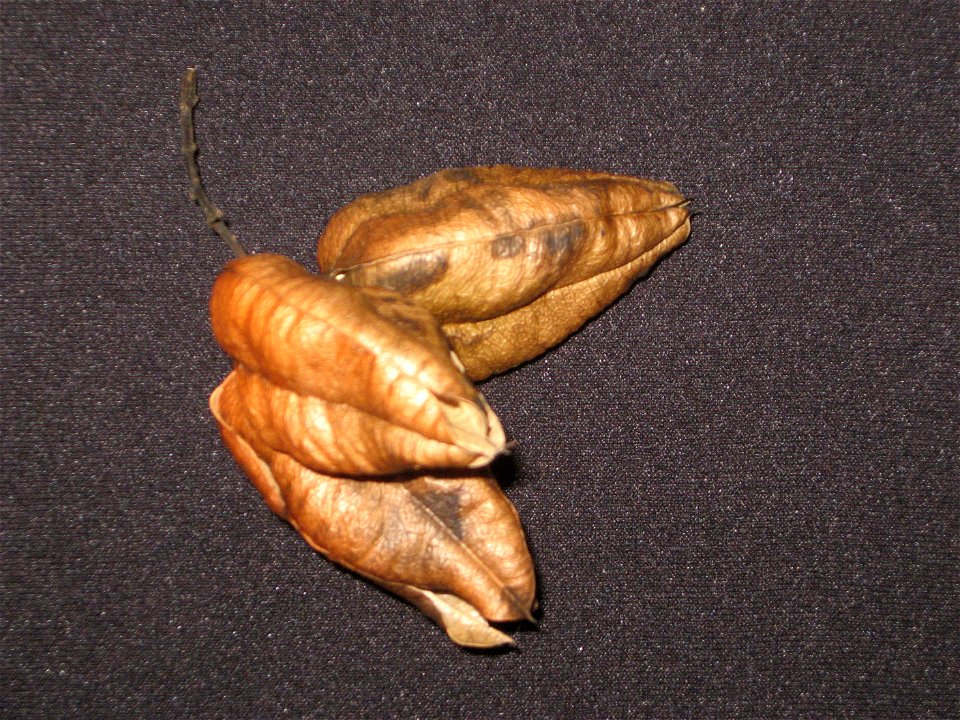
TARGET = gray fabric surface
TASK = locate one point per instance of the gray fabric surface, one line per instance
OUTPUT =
(740, 483)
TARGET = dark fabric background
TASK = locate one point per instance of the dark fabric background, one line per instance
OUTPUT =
(740, 483)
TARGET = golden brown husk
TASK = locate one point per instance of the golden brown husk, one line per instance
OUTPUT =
(509, 260)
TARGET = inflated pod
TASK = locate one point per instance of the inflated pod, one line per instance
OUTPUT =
(449, 543)
(509, 260)
(350, 381)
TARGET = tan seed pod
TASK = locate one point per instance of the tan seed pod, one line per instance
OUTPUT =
(509, 260)
(315, 357)
(333, 438)
(451, 544)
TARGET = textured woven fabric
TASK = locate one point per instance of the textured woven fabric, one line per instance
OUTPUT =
(740, 483)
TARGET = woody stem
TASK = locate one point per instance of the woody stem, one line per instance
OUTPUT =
(211, 213)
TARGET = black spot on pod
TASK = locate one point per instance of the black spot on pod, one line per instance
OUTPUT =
(506, 246)
(446, 506)
(563, 239)
(415, 272)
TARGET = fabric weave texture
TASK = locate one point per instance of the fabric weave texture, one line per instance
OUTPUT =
(739, 483)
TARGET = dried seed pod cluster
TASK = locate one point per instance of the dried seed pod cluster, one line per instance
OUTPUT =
(349, 410)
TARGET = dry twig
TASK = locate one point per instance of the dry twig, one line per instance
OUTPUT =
(211, 213)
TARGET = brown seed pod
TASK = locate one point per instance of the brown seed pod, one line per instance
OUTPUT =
(451, 544)
(332, 437)
(509, 260)
(347, 380)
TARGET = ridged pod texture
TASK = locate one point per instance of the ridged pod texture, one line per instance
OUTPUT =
(349, 381)
(449, 543)
(509, 260)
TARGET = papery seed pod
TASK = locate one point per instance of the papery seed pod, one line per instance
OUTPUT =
(509, 260)
(332, 437)
(451, 544)
(333, 357)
